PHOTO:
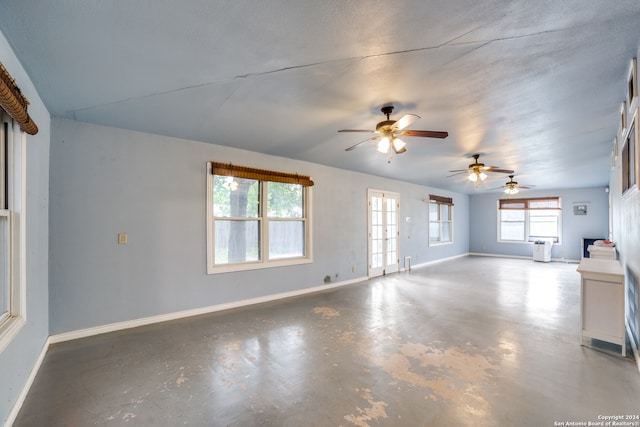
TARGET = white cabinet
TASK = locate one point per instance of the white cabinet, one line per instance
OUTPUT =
(602, 252)
(602, 302)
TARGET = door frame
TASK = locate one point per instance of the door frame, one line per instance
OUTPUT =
(386, 267)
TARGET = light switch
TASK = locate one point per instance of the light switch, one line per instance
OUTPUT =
(122, 238)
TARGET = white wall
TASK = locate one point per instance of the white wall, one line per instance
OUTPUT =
(626, 223)
(484, 222)
(105, 181)
(17, 360)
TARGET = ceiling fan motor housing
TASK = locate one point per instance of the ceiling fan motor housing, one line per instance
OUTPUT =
(385, 125)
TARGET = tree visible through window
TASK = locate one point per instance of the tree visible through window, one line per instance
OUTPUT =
(257, 222)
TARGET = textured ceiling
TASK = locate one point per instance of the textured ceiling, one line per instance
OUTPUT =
(535, 86)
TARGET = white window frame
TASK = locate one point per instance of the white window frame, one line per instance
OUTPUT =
(440, 221)
(12, 229)
(630, 157)
(527, 224)
(263, 219)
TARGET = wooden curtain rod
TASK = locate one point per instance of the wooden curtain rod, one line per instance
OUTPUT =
(441, 199)
(14, 102)
(228, 169)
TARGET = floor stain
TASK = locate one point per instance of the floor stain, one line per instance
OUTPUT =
(347, 337)
(450, 373)
(327, 312)
(181, 379)
(372, 413)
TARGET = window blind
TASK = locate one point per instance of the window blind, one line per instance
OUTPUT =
(441, 200)
(228, 169)
(14, 102)
(538, 203)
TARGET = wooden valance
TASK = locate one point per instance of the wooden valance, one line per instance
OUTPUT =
(538, 203)
(441, 200)
(228, 169)
(14, 102)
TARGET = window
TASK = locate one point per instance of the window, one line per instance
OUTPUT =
(629, 158)
(528, 220)
(256, 218)
(440, 220)
(12, 289)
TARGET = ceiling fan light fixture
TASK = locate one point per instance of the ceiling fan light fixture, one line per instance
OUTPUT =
(383, 145)
(477, 176)
(399, 145)
(511, 190)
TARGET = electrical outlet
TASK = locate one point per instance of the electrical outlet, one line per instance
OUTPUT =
(353, 268)
(122, 238)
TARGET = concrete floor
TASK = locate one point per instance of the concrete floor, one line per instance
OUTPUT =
(470, 342)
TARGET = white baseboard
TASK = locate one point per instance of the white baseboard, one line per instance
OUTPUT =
(437, 261)
(567, 261)
(112, 327)
(15, 409)
(500, 255)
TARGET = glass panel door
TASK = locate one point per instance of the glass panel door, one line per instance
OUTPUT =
(383, 233)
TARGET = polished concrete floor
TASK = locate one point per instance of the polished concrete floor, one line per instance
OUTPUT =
(470, 342)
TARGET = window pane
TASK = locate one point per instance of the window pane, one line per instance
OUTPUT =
(433, 211)
(236, 241)
(543, 223)
(391, 252)
(544, 203)
(446, 231)
(434, 232)
(544, 212)
(376, 260)
(235, 197)
(444, 212)
(628, 161)
(284, 200)
(286, 239)
(508, 215)
(512, 231)
(547, 228)
(5, 288)
(4, 162)
(376, 203)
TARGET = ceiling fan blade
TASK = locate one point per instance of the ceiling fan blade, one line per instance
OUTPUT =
(356, 130)
(425, 133)
(459, 170)
(496, 169)
(526, 187)
(404, 121)
(457, 173)
(353, 147)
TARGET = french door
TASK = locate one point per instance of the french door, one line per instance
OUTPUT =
(383, 232)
